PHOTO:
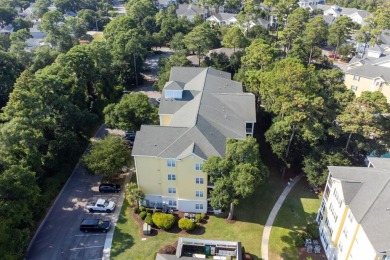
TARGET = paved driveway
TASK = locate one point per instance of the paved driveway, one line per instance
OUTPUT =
(59, 236)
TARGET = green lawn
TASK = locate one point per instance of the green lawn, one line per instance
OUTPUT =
(250, 216)
(299, 209)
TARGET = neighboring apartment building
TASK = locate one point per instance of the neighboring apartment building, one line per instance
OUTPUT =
(354, 216)
(200, 108)
(371, 73)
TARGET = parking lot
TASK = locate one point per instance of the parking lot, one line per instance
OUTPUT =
(59, 236)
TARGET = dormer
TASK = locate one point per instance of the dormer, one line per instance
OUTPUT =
(173, 90)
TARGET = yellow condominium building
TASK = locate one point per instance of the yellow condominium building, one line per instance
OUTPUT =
(354, 216)
(200, 108)
(371, 73)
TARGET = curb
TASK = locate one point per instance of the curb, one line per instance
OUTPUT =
(58, 196)
(110, 234)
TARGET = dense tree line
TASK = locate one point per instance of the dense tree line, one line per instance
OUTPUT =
(51, 100)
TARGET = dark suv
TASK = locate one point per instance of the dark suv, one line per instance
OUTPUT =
(95, 225)
(109, 187)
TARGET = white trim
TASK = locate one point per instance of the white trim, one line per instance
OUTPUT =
(196, 179)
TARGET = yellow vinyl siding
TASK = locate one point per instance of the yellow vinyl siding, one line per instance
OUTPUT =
(148, 174)
(186, 178)
(165, 120)
(365, 84)
(385, 89)
(340, 226)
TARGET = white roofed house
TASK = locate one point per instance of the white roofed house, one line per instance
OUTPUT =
(354, 216)
(223, 19)
(200, 108)
(189, 11)
(357, 16)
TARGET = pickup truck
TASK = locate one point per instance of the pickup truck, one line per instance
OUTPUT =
(101, 205)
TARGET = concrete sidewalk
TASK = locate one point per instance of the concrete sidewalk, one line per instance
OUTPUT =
(117, 212)
(272, 216)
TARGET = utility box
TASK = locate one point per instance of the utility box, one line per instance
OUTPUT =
(146, 229)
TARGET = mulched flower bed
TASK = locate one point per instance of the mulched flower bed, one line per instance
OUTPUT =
(175, 228)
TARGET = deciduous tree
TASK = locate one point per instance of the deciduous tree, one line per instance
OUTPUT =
(107, 157)
(131, 112)
(237, 175)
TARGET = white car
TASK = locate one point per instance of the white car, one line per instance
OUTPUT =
(101, 205)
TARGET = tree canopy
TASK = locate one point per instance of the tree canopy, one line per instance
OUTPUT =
(237, 175)
(107, 157)
(131, 112)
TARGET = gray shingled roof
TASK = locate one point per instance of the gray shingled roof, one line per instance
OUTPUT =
(213, 108)
(372, 69)
(381, 163)
(227, 51)
(189, 10)
(224, 16)
(174, 85)
(367, 192)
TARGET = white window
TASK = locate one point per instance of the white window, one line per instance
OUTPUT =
(357, 78)
(199, 180)
(171, 163)
(199, 194)
(354, 88)
(337, 196)
(198, 206)
(341, 247)
(172, 203)
(350, 217)
(345, 232)
(198, 166)
(171, 177)
(334, 214)
(172, 190)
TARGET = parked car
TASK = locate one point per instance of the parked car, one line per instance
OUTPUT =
(334, 55)
(101, 205)
(130, 136)
(94, 225)
(109, 187)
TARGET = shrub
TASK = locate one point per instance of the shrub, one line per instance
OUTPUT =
(142, 208)
(186, 224)
(148, 219)
(136, 210)
(163, 220)
(202, 215)
(142, 214)
(198, 218)
(169, 250)
(312, 229)
(299, 241)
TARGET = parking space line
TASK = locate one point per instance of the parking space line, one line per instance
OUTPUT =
(87, 247)
(87, 235)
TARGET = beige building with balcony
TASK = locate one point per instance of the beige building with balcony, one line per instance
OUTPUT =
(354, 216)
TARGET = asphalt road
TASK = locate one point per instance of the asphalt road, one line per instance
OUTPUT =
(59, 236)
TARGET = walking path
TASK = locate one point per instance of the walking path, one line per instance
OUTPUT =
(272, 216)
(110, 234)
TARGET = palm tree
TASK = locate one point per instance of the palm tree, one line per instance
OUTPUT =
(134, 194)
